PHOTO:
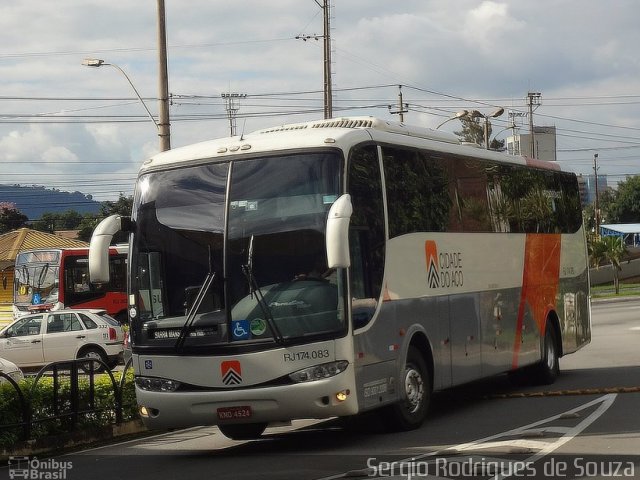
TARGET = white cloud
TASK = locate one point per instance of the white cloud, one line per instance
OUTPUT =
(58, 154)
(489, 50)
(489, 26)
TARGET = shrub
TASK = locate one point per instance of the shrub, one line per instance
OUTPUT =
(51, 410)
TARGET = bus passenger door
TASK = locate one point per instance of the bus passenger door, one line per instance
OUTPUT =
(466, 359)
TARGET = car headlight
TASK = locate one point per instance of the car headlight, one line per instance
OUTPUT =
(153, 384)
(318, 372)
(16, 376)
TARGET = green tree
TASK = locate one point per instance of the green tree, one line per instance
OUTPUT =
(614, 252)
(611, 250)
(122, 206)
(606, 204)
(626, 203)
(86, 227)
(52, 221)
(596, 250)
(472, 130)
(11, 218)
(496, 144)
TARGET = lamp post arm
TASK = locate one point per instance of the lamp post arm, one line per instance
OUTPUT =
(136, 92)
(447, 120)
(460, 114)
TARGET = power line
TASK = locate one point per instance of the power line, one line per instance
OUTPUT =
(138, 49)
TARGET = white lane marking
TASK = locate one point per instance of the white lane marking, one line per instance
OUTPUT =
(605, 402)
(544, 447)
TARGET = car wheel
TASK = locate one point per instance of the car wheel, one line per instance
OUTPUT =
(411, 410)
(243, 431)
(92, 353)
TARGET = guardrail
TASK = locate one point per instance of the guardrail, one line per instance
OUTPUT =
(73, 396)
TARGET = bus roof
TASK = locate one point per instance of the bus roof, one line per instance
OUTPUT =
(338, 132)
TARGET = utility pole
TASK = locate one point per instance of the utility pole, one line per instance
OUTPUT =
(232, 105)
(596, 207)
(328, 93)
(402, 107)
(533, 99)
(164, 131)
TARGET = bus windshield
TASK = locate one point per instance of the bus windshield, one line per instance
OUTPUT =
(59, 278)
(234, 253)
(36, 278)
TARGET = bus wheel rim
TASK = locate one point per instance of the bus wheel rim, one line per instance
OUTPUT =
(551, 356)
(414, 389)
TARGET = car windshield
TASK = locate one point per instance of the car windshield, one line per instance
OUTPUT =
(217, 263)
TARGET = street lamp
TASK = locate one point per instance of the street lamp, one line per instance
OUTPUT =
(476, 114)
(460, 114)
(96, 62)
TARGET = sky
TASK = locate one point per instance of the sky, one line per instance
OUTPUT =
(67, 126)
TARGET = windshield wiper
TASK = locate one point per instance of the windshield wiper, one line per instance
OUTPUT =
(191, 316)
(254, 288)
(42, 275)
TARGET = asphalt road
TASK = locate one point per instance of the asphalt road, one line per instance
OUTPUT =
(586, 425)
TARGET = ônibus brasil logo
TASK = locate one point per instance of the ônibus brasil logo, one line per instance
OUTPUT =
(444, 269)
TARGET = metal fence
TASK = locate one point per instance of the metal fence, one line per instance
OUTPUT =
(71, 399)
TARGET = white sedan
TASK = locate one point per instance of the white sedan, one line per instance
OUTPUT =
(41, 338)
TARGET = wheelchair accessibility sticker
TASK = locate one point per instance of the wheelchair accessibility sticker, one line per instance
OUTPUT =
(240, 330)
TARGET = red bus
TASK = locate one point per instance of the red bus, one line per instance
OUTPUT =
(57, 278)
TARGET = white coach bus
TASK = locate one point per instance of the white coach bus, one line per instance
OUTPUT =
(335, 267)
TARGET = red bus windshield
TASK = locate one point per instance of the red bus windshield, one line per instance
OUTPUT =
(56, 279)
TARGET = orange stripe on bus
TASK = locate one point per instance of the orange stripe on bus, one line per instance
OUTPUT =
(540, 280)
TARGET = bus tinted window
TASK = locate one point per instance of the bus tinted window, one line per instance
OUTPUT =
(436, 192)
(418, 192)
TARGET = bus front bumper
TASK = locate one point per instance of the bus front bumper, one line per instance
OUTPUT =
(318, 399)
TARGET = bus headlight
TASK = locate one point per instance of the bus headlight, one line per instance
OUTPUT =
(318, 372)
(153, 384)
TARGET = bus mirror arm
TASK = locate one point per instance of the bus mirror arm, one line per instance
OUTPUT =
(99, 246)
(337, 235)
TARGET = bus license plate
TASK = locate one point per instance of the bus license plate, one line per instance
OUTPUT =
(234, 413)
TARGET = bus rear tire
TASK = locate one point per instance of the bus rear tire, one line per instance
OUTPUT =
(243, 431)
(409, 413)
(547, 371)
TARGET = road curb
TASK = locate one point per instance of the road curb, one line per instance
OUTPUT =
(72, 440)
(629, 298)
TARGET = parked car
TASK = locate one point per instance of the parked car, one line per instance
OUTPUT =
(10, 369)
(41, 338)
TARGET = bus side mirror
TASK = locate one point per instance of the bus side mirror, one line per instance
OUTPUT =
(337, 236)
(99, 246)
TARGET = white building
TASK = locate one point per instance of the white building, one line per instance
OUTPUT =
(544, 140)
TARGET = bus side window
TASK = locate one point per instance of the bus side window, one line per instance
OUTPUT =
(367, 234)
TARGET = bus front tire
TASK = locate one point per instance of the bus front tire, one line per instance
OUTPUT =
(409, 413)
(243, 431)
